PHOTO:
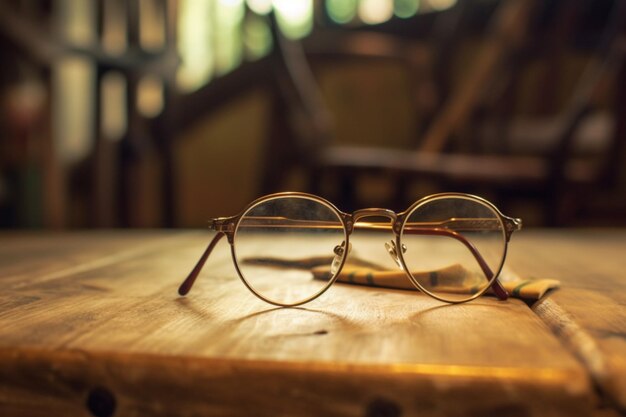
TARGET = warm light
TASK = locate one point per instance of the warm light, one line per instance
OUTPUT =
(341, 11)
(113, 28)
(113, 106)
(441, 4)
(228, 34)
(405, 8)
(195, 44)
(73, 80)
(295, 17)
(261, 7)
(78, 19)
(375, 11)
(151, 25)
(150, 96)
(232, 4)
(257, 37)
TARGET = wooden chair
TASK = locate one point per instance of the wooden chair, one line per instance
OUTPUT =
(304, 126)
(554, 177)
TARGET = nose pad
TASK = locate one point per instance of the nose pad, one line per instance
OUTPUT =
(392, 250)
(339, 251)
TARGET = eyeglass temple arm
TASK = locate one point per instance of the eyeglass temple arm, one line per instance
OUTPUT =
(191, 278)
(498, 290)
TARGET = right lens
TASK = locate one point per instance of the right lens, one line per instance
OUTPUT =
(454, 246)
(288, 248)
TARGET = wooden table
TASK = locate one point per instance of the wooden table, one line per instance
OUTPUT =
(91, 324)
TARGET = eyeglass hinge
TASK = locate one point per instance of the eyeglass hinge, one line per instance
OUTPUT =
(512, 225)
(223, 224)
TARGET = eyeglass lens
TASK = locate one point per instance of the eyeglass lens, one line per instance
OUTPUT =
(279, 241)
(454, 246)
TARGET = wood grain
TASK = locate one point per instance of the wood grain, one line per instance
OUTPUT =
(90, 324)
(588, 313)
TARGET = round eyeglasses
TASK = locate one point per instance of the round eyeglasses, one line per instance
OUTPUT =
(289, 248)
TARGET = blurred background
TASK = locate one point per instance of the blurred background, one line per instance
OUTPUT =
(164, 113)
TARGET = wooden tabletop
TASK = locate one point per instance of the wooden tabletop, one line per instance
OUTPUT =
(91, 324)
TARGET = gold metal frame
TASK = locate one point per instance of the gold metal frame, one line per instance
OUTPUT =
(228, 226)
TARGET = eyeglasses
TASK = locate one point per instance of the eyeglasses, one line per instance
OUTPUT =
(289, 248)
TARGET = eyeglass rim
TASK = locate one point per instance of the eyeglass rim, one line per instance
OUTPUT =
(289, 194)
(404, 217)
(509, 225)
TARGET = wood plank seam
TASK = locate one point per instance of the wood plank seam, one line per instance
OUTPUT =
(578, 341)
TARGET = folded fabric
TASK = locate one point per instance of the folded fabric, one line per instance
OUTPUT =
(448, 279)
(531, 289)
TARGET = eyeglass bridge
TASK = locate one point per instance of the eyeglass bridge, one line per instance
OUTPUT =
(372, 212)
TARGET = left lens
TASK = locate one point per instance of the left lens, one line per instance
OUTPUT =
(288, 248)
(453, 246)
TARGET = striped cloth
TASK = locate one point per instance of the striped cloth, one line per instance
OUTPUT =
(529, 289)
(362, 272)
